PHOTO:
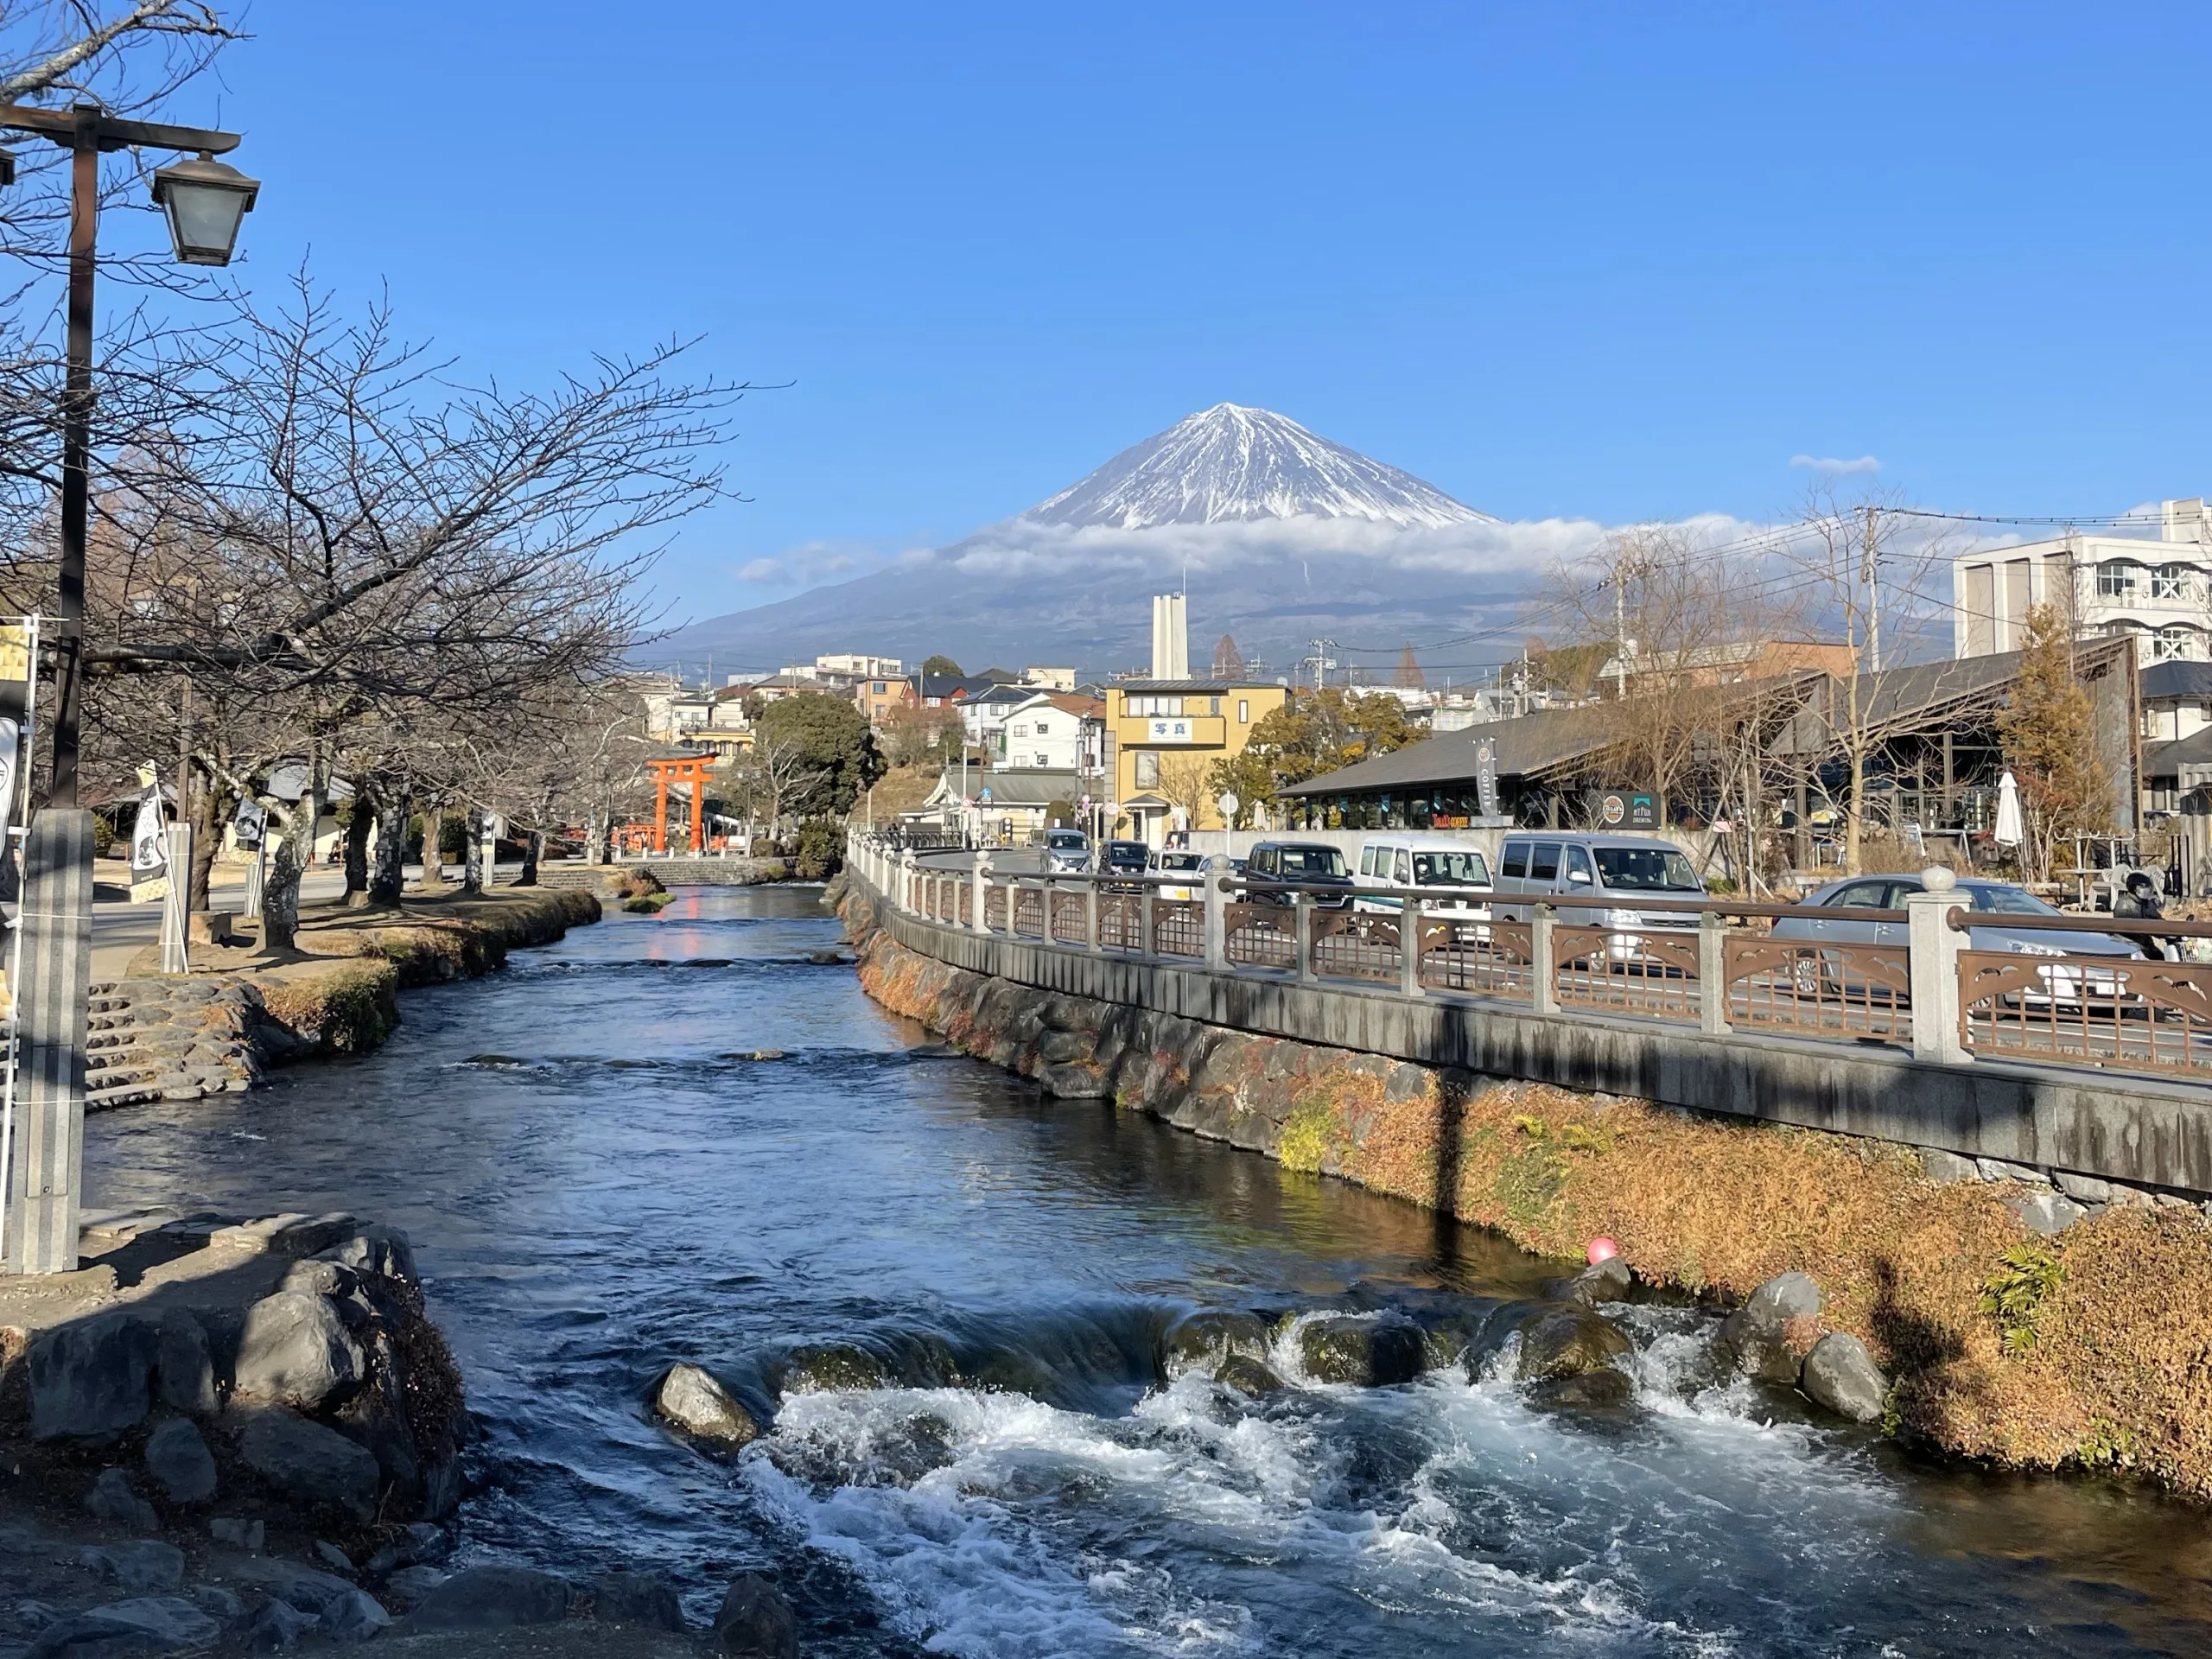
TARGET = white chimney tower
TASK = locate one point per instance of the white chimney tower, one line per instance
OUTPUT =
(1171, 638)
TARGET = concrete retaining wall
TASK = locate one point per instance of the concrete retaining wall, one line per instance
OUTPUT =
(2145, 1132)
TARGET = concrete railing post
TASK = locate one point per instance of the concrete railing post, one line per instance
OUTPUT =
(905, 900)
(1711, 974)
(1543, 990)
(1090, 917)
(1146, 899)
(1216, 896)
(52, 1013)
(1301, 935)
(1934, 968)
(980, 879)
(1409, 926)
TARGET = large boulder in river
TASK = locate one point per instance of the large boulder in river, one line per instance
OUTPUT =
(702, 1408)
(1201, 1341)
(295, 1351)
(93, 1377)
(310, 1465)
(177, 1457)
(1367, 1350)
(1566, 1339)
(143, 1624)
(755, 1621)
(832, 1368)
(636, 1598)
(1839, 1374)
(1757, 1335)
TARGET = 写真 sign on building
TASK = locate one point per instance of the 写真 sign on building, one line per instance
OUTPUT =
(1168, 728)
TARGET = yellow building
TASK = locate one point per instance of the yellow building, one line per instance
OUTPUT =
(1167, 735)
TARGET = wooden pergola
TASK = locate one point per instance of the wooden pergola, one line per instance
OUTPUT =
(692, 769)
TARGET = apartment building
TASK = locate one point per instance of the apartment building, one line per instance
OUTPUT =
(2156, 587)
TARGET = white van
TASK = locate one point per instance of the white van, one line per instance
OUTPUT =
(1414, 860)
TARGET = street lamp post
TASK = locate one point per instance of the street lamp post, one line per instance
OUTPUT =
(204, 200)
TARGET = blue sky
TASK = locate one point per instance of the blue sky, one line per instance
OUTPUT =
(1616, 262)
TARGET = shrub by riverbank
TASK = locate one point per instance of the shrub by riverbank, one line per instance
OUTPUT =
(2092, 1349)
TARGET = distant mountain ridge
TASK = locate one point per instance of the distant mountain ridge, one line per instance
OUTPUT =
(1229, 464)
(1278, 535)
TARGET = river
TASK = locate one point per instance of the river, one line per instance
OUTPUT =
(601, 1180)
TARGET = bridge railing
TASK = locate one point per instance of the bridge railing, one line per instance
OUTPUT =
(1920, 983)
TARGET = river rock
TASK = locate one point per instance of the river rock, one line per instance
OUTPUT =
(304, 1587)
(1947, 1167)
(1585, 1390)
(2044, 1211)
(418, 1542)
(92, 1377)
(1756, 1336)
(273, 1627)
(493, 1597)
(177, 1457)
(1566, 1339)
(698, 1404)
(831, 1368)
(143, 1564)
(378, 1248)
(354, 1616)
(310, 1464)
(755, 1621)
(187, 1367)
(317, 1277)
(143, 1624)
(411, 1584)
(295, 1351)
(636, 1599)
(1247, 1376)
(1841, 1375)
(1365, 1350)
(1602, 1281)
(111, 1499)
(1201, 1341)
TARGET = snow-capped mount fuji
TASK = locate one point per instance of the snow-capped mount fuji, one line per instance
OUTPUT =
(1233, 464)
(1278, 535)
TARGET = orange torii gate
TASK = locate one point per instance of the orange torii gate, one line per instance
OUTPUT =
(691, 769)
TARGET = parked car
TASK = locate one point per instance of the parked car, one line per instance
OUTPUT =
(1311, 863)
(1124, 858)
(1625, 868)
(1417, 860)
(1176, 860)
(2012, 911)
(1067, 852)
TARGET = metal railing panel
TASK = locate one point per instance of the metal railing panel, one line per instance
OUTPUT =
(1830, 991)
(1067, 919)
(1178, 929)
(1120, 924)
(1646, 971)
(1259, 935)
(2100, 1011)
(1349, 945)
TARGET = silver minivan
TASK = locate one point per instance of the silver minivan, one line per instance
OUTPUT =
(1545, 863)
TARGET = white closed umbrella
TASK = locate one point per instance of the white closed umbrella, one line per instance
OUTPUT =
(2011, 832)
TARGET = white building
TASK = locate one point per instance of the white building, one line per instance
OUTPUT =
(2158, 588)
(1045, 732)
(851, 666)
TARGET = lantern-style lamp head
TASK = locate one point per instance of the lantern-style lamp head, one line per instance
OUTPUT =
(205, 200)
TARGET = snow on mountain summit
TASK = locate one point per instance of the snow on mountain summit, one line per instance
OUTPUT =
(1229, 464)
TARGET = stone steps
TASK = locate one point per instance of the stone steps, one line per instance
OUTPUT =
(160, 1039)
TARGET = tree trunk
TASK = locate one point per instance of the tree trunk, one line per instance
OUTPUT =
(280, 897)
(388, 876)
(210, 809)
(533, 848)
(473, 872)
(357, 850)
(434, 858)
(1852, 816)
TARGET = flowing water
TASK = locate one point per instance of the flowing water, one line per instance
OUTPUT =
(600, 1180)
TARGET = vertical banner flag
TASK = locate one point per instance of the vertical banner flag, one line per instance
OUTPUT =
(1486, 776)
(149, 857)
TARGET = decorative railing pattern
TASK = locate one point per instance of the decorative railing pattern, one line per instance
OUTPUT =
(1681, 962)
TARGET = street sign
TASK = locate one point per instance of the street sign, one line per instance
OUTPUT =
(1229, 803)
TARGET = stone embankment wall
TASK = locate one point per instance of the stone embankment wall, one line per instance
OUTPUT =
(679, 872)
(2010, 1340)
(155, 1037)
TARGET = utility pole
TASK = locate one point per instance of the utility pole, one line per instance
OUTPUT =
(1620, 632)
(1869, 561)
